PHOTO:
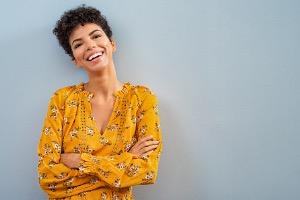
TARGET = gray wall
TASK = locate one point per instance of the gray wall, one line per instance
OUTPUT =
(227, 76)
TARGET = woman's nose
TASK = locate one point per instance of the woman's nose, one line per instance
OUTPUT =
(91, 45)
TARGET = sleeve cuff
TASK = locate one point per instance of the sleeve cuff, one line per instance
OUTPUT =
(90, 164)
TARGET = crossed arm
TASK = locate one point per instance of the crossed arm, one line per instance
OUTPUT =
(143, 147)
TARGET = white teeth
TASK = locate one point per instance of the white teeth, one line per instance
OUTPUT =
(94, 56)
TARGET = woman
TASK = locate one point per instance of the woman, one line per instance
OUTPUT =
(101, 137)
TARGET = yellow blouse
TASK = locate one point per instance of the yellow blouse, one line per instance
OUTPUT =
(107, 170)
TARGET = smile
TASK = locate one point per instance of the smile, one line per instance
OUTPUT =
(96, 55)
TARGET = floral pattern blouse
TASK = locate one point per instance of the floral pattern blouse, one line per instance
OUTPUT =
(107, 170)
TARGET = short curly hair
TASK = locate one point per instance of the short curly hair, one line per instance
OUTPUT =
(80, 15)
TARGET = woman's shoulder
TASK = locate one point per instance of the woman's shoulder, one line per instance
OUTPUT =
(142, 90)
(144, 94)
(66, 91)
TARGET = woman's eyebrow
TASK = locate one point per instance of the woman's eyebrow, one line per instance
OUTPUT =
(91, 33)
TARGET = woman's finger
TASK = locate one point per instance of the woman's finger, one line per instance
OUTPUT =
(149, 148)
(144, 146)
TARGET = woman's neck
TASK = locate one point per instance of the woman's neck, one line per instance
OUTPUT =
(103, 86)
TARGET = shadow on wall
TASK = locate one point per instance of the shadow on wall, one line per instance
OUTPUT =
(177, 162)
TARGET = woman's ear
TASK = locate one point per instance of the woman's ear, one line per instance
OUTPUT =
(114, 46)
(75, 62)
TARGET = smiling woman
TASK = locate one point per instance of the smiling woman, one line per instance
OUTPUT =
(102, 137)
(100, 48)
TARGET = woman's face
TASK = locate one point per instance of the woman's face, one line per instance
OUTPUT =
(92, 49)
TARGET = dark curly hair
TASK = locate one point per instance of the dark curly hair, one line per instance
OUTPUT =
(80, 15)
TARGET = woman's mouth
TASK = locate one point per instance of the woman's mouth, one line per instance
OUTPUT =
(94, 56)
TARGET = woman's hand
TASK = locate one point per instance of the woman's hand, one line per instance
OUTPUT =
(144, 147)
(71, 160)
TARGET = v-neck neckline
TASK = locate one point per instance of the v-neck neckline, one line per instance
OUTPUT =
(110, 118)
(118, 95)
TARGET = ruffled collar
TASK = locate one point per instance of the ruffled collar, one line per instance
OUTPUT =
(120, 93)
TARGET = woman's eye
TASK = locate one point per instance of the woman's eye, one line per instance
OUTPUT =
(97, 36)
(77, 45)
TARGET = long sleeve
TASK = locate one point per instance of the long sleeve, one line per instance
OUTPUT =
(52, 173)
(126, 170)
(55, 178)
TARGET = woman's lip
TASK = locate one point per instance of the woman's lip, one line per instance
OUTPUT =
(92, 54)
(96, 59)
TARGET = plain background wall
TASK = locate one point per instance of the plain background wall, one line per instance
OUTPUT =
(227, 77)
